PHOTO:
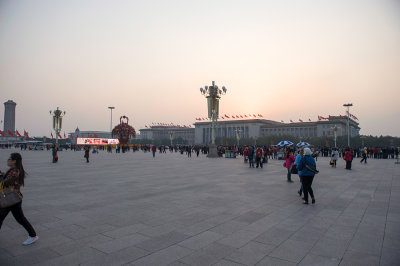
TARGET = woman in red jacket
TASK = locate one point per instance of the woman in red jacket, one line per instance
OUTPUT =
(289, 160)
(348, 157)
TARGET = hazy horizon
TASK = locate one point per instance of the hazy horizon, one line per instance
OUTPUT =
(287, 60)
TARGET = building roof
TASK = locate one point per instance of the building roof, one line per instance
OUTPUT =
(257, 120)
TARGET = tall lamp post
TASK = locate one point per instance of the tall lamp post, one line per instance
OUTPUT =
(335, 128)
(348, 122)
(57, 121)
(213, 94)
(362, 140)
(111, 108)
(171, 136)
(238, 136)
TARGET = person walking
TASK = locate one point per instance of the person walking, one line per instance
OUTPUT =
(348, 157)
(307, 176)
(87, 149)
(245, 154)
(259, 156)
(297, 163)
(154, 149)
(364, 155)
(54, 153)
(335, 157)
(14, 178)
(251, 157)
(289, 160)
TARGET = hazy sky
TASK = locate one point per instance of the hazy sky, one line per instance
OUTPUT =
(282, 59)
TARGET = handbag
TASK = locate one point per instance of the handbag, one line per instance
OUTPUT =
(8, 197)
(294, 170)
(310, 168)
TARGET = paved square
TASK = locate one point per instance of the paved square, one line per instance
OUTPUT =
(131, 209)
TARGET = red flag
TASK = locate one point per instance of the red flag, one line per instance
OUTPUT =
(245, 115)
(300, 120)
(17, 133)
(260, 115)
(241, 116)
(282, 121)
(2, 133)
(309, 119)
(59, 135)
(96, 136)
(291, 121)
(254, 115)
(222, 118)
(26, 134)
(72, 136)
(10, 133)
(52, 135)
(227, 116)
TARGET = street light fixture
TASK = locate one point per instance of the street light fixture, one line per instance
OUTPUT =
(238, 136)
(348, 122)
(111, 108)
(335, 128)
(57, 121)
(213, 94)
(362, 140)
(171, 136)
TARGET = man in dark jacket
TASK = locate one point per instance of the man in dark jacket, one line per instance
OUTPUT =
(87, 154)
(251, 157)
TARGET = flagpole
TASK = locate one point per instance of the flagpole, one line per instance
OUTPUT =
(348, 122)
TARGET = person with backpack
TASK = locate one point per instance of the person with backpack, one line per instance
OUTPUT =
(14, 179)
(308, 169)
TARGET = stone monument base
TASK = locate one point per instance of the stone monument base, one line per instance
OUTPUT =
(212, 151)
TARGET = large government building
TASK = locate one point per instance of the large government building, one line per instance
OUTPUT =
(163, 132)
(254, 128)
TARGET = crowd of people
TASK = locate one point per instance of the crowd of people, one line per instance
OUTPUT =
(299, 161)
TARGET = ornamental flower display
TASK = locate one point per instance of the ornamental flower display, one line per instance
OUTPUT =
(124, 131)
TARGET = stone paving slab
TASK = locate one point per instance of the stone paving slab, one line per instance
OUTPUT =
(131, 209)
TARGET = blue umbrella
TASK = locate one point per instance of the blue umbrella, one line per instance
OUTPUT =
(284, 143)
(302, 144)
